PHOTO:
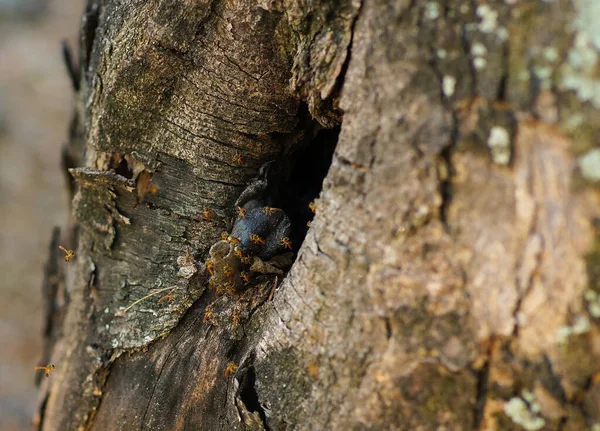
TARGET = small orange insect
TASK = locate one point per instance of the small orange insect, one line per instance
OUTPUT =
(241, 212)
(238, 159)
(237, 251)
(245, 276)
(47, 369)
(229, 287)
(207, 213)
(270, 210)
(210, 266)
(168, 297)
(189, 259)
(312, 207)
(285, 241)
(256, 239)
(236, 319)
(69, 254)
(313, 370)
(232, 239)
(209, 317)
(231, 369)
(227, 270)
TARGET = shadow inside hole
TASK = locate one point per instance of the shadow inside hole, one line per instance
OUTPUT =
(249, 396)
(304, 180)
(123, 169)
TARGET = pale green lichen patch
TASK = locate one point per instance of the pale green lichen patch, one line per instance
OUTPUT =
(589, 165)
(579, 73)
(580, 326)
(488, 22)
(524, 411)
(478, 50)
(479, 63)
(550, 54)
(593, 301)
(572, 123)
(432, 10)
(499, 145)
(544, 73)
(448, 85)
(587, 20)
(489, 18)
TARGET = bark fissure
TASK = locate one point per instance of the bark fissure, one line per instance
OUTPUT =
(483, 375)
(89, 25)
(249, 396)
(72, 68)
(172, 351)
(226, 101)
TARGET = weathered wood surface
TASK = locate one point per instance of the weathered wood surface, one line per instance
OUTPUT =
(445, 280)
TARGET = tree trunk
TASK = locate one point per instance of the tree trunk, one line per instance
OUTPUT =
(450, 278)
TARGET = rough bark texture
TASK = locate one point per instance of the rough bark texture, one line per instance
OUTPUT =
(450, 278)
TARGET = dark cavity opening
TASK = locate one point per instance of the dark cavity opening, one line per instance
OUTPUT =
(249, 396)
(303, 180)
(123, 169)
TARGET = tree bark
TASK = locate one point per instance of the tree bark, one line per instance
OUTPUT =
(450, 278)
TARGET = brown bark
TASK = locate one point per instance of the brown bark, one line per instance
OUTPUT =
(450, 277)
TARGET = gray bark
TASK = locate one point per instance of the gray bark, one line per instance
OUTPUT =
(450, 277)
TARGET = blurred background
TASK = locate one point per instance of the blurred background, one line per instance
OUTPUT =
(36, 101)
